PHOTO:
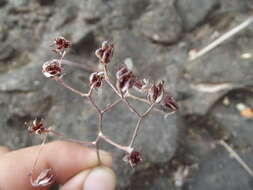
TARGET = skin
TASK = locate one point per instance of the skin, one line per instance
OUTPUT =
(72, 164)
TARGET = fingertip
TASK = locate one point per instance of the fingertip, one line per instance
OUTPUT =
(100, 178)
(77, 181)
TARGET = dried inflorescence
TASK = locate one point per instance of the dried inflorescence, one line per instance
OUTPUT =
(45, 178)
(154, 93)
(37, 127)
(133, 158)
(52, 69)
(61, 44)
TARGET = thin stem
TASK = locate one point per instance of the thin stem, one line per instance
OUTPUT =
(97, 151)
(99, 123)
(38, 155)
(129, 95)
(60, 81)
(137, 128)
(121, 147)
(94, 105)
(69, 139)
(110, 106)
(222, 38)
(132, 109)
(236, 156)
(82, 66)
(118, 93)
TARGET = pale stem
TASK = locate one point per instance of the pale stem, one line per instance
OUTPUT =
(139, 124)
(222, 38)
(131, 107)
(118, 93)
(121, 147)
(53, 132)
(236, 156)
(110, 106)
(61, 81)
(129, 95)
(99, 123)
(38, 155)
(82, 66)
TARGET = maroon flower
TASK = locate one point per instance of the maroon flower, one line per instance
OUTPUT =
(155, 93)
(105, 53)
(96, 79)
(61, 44)
(37, 127)
(133, 158)
(125, 79)
(52, 68)
(170, 102)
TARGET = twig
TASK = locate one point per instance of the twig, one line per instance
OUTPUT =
(222, 38)
(38, 155)
(61, 81)
(82, 66)
(139, 124)
(236, 156)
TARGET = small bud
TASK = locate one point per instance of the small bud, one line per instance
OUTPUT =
(52, 69)
(45, 178)
(105, 53)
(37, 127)
(155, 93)
(96, 79)
(133, 158)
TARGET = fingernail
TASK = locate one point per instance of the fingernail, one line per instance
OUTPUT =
(100, 178)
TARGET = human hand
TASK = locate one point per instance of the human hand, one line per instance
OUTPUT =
(75, 167)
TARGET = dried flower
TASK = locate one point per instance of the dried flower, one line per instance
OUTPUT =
(52, 68)
(125, 79)
(96, 79)
(142, 85)
(45, 178)
(155, 93)
(37, 127)
(133, 158)
(105, 53)
(170, 102)
(61, 44)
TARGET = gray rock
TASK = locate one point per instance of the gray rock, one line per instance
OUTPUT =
(46, 2)
(220, 171)
(23, 80)
(162, 183)
(239, 127)
(3, 2)
(152, 23)
(195, 11)
(95, 10)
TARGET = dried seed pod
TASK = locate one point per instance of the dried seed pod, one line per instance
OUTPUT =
(155, 93)
(37, 127)
(96, 79)
(133, 158)
(61, 44)
(105, 53)
(52, 69)
(45, 178)
(125, 79)
(170, 102)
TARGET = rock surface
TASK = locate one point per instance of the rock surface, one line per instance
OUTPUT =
(156, 37)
